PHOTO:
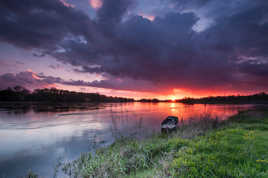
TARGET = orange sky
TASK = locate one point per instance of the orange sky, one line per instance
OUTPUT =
(173, 95)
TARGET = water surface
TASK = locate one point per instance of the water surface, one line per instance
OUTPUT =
(37, 141)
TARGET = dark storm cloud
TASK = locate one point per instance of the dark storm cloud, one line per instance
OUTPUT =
(112, 11)
(40, 24)
(117, 84)
(165, 53)
(26, 79)
(109, 83)
(31, 80)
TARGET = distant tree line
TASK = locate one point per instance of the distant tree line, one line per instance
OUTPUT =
(260, 98)
(149, 100)
(21, 94)
(154, 100)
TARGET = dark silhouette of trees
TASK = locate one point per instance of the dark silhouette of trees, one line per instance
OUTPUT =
(149, 100)
(260, 98)
(17, 93)
(21, 94)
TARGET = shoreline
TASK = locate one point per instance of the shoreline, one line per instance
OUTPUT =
(157, 156)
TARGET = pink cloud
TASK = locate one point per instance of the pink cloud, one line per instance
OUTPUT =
(147, 16)
(96, 4)
(27, 79)
(66, 4)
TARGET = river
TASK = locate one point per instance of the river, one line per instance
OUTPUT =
(39, 140)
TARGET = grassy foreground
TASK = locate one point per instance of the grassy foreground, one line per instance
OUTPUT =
(235, 148)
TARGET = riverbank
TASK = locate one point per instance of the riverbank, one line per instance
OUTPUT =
(208, 148)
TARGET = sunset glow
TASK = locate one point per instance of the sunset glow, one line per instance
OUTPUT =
(173, 98)
(65, 3)
(96, 4)
(87, 73)
(140, 49)
(146, 16)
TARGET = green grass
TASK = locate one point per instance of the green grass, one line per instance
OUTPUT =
(235, 148)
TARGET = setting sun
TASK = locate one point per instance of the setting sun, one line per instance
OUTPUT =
(173, 98)
(141, 81)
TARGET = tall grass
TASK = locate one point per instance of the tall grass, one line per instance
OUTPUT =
(199, 148)
(127, 157)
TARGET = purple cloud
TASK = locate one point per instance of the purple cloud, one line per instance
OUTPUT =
(26, 79)
(139, 54)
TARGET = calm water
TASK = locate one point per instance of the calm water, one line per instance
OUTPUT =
(39, 140)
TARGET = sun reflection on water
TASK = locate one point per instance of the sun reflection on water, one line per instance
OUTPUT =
(50, 135)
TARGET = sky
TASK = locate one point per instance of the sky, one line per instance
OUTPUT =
(166, 49)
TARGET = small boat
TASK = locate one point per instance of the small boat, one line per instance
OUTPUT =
(169, 124)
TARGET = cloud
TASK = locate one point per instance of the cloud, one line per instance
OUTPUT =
(26, 79)
(149, 17)
(55, 67)
(161, 55)
(112, 11)
(96, 4)
(117, 84)
(32, 80)
(41, 24)
(65, 3)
